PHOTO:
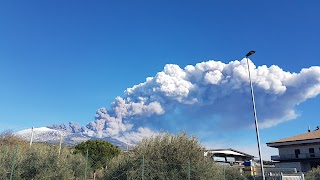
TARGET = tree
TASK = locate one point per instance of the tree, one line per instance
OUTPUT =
(7, 138)
(313, 174)
(99, 151)
(8, 142)
(166, 157)
(41, 161)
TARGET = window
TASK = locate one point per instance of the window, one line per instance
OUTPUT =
(311, 150)
(297, 152)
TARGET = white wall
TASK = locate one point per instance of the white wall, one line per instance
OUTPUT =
(303, 149)
(296, 165)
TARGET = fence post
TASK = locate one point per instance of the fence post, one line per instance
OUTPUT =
(86, 167)
(142, 173)
(60, 143)
(14, 162)
(31, 139)
(189, 170)
(224, 173)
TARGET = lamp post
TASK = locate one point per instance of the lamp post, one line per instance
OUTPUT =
(255, 115)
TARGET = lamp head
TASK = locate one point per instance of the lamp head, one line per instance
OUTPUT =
(250, 53)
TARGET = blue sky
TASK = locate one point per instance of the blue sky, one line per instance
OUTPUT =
(62, 60)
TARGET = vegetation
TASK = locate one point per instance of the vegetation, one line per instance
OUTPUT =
(40, 161)
(8, 138)
(167, 157)
(99, 152)
(160, 157)
(314, 174)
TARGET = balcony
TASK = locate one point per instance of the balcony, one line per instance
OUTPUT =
(296, 156)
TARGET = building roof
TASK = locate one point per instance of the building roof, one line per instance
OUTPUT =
(312, 135)
(229, 151)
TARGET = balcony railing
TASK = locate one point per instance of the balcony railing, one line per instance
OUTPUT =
(295, 156)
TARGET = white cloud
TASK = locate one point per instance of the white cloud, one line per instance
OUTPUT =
(209, 93)
(136, 136)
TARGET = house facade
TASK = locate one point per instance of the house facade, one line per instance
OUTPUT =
(301, 152)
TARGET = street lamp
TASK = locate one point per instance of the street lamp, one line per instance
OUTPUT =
(255, 115)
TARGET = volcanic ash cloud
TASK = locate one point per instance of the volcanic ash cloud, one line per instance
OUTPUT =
(211, 94)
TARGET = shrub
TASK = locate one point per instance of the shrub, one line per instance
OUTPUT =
(41, 161)
(313, 174)
(166, 157)
(7, 138)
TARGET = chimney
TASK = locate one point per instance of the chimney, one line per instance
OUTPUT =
(309, 128)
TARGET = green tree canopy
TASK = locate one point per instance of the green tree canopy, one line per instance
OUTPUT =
(41, 161)
(313, 174)
(99, 152)
(167, 157)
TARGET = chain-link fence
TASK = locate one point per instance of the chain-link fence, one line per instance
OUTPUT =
(47, 161)
(142, 168)
(40, 161)
(44, 161)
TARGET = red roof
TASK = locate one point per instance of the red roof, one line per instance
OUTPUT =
(306, 136)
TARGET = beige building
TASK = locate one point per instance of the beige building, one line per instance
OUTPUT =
(301, 152)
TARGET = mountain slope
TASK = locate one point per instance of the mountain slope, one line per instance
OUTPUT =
(69, 137)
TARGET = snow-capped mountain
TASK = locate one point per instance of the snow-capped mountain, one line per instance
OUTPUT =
(70, 135)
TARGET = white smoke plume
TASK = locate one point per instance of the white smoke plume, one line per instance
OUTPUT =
(209, 95)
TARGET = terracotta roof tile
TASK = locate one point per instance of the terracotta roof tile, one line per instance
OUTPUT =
(306, 136)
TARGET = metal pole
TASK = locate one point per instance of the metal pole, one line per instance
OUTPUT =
(224, 173)
(189, 170)
(255, 120)
(14, 162)
(142, 173)
(86, 167)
